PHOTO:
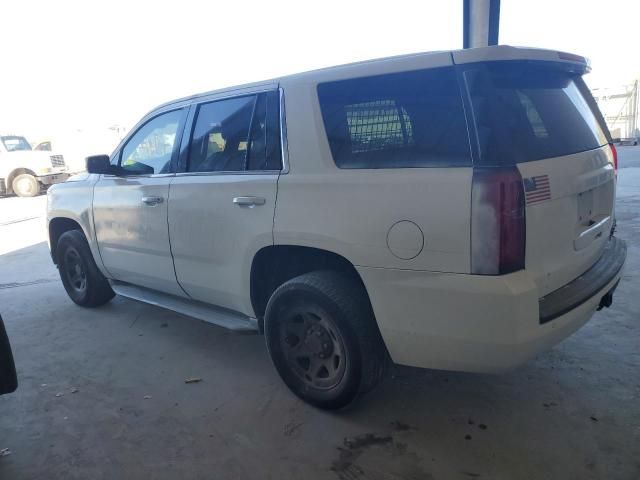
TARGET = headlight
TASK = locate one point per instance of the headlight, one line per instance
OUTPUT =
(44, 171)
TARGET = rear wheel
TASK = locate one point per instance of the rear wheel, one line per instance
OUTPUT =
(25, 185)
(80, 276)
(323, 339)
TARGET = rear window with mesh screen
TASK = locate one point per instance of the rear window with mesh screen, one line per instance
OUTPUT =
(401, 120)
(378, 125)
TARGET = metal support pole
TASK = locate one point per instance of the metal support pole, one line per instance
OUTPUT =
(481, 22)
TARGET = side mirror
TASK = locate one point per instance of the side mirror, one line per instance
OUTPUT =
(99, 164)
(8, 377)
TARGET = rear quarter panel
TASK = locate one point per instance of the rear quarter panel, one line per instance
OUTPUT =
(350, 211)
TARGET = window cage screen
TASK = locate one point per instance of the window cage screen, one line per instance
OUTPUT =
(378, 125)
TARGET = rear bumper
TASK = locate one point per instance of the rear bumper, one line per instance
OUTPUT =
(473, 323)
(580, 290)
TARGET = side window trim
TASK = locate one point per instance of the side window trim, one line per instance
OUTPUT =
(472, 132)
(247, 152)
(284, 145)
(116, 158)
(183, 156)
(274, 150)
(175, 155)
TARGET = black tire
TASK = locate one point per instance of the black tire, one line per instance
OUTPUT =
(8, 377)
(323, 339)
(25, 185)
(80, 275)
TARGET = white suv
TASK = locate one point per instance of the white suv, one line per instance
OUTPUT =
(449, 210)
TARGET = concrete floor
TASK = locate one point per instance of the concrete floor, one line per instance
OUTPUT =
(574, 412)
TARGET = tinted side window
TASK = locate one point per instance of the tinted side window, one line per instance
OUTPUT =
(274, 149)
(526, 111)
(236, 134)
(220, 135)
(409, 119)
(150, 149)
(258, 136)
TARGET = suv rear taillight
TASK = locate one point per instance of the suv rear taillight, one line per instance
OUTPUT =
(497, 221)
(615, 157)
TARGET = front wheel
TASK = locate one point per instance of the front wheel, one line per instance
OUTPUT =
(79, 273)
(25, 185)
(323, 339)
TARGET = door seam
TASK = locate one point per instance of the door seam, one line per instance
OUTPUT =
(275, 206)
(173, 260)
(95, 230)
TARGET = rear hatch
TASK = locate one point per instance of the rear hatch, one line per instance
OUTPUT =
(539, 117)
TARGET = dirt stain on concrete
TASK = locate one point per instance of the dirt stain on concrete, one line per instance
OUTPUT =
(377, 456)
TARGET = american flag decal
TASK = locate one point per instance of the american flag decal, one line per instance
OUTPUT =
(537, 189)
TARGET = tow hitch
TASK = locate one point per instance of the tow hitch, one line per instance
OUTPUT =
(607, 299)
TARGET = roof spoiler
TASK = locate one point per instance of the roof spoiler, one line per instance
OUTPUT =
(507, 52)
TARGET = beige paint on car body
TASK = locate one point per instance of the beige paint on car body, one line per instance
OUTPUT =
(407, 231)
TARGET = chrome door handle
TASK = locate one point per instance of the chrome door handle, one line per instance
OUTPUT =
(249, 201)
(152, 200)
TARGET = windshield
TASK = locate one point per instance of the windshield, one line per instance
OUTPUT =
(13, 144)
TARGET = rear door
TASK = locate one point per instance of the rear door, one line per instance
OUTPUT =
(537, 115)
(222, 203)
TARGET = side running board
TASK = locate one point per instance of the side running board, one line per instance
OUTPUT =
(221, 317)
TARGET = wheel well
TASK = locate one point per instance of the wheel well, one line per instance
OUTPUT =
(272, 266)
(14, 174)
(58, 226)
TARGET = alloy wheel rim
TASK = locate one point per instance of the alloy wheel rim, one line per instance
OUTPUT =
(74, 270)
(313, 348)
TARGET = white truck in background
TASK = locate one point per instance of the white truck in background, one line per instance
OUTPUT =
(24, 171)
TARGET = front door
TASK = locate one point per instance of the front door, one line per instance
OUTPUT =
(130, 209)
(221, 206)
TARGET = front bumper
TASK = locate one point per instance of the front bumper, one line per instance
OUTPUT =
(53, 178)
(474, 323)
